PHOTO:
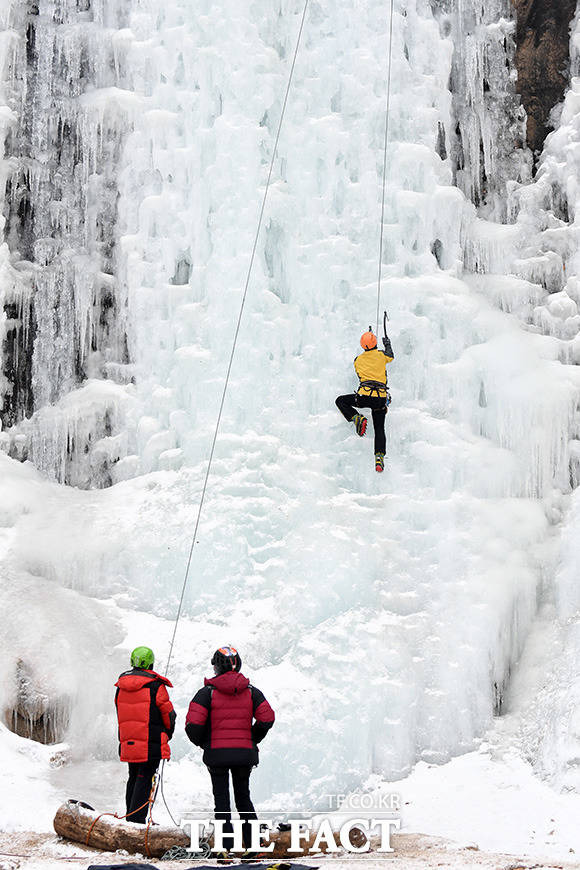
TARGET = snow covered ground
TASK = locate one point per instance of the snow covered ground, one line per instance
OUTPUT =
(412, 852)
(484, 809)
(491, 798)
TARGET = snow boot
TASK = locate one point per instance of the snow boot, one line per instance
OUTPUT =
(380, 461)
(360, 424)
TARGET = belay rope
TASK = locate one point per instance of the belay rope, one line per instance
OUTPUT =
(149, 802)
(385, 147)
(230, 363)
(237, 331)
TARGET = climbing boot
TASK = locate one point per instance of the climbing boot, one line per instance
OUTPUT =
(380, 461)
(360, 424)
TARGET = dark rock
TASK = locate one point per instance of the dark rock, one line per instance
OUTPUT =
(441, 145)
(17, 350)
(542, 60)
(437, 251)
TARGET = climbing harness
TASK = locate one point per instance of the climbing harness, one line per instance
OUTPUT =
(376, 387)
(386, 142)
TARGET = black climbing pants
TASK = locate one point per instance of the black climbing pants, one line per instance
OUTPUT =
(347, 405)
(220, 780)
(139, 788)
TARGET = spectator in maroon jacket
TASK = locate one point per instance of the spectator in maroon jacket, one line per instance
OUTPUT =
(228, 718)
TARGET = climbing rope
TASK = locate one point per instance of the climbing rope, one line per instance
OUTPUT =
(150, 801)
(161, 772)
(230, 364)
(386, 143)
(236, 334)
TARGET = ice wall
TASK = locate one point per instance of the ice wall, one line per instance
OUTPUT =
(546, 697)
(58, 645)
(67, 113)
(387, 612)
(487, 145)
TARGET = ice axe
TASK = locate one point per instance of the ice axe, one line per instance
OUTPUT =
(385, 318)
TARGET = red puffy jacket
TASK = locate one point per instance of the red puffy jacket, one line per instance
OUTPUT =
(228, 718)
(145, 714)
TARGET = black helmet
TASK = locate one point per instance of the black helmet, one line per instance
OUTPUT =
(225, 659)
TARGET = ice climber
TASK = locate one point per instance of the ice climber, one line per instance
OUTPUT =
(228, 717)
(146, 724)
(373, 392)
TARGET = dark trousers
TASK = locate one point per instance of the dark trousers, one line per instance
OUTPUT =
(139, 788)
(347, 406)
(220, 781)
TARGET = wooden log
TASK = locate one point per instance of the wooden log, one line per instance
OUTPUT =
(281, 840)
(73, 822)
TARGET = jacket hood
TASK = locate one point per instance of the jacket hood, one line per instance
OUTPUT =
(229, 683)
(132, 681)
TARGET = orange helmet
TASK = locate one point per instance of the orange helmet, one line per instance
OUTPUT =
(368, 340)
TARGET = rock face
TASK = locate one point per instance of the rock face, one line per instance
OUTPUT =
(542, 60)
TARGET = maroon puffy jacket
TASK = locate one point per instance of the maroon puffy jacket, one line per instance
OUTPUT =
(228, 718)
(146, 716)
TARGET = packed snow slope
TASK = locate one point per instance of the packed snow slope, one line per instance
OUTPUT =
(385, 614)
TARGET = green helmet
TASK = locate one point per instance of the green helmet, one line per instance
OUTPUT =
(142, 657)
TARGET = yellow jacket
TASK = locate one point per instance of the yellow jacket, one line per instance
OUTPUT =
(371, 365)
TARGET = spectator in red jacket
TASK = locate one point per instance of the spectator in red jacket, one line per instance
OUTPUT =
(146, 724)
(228, 718)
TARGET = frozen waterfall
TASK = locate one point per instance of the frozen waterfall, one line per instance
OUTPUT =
(383, 616)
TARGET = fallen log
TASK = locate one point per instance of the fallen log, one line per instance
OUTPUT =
(74, 822)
